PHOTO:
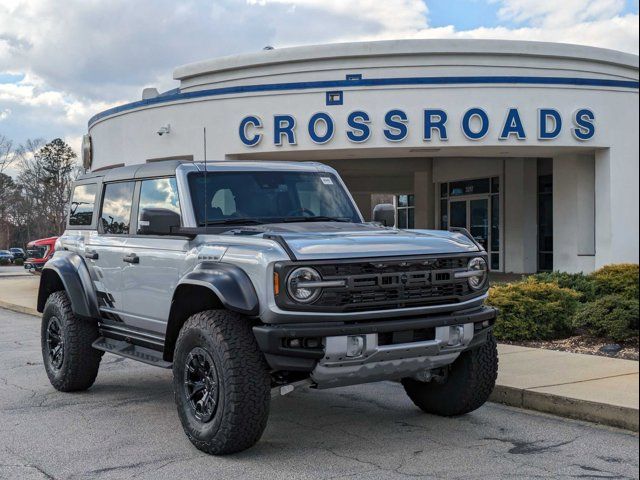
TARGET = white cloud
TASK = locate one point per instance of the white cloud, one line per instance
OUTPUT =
(4, 113)
(81, 56)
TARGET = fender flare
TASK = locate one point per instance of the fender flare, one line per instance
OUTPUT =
(229, 283)
(73, 273)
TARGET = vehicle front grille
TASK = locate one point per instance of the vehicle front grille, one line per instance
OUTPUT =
(390, 284)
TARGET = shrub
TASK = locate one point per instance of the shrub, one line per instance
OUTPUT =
(614, 317)
(581, 283)
(4, 261)
(620, 279)
(19, 261)
(532, 310)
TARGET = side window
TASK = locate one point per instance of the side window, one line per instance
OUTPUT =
(159, 193)
(82, 202)
(115, 216)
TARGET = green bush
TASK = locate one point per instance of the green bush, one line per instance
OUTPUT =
(579, 282)
(614, 317)
(532, 310)
(4, 261)
(619, 279)
(19, 261)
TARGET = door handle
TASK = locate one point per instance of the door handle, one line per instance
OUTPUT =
(131, 258)
(91, 254)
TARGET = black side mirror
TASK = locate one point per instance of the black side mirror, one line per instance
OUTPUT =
(385, 213)
(157, 221)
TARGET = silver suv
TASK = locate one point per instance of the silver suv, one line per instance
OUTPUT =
(249, 279)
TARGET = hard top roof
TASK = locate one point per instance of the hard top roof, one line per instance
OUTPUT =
(165, 168)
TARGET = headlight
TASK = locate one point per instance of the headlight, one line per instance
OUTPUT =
(478, 267)
(301, 285)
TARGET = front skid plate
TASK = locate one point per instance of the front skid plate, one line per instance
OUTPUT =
(340, 376)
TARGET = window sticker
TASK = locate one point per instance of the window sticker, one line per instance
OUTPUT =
(326, 180)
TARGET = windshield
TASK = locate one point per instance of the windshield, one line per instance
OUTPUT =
(269, 197)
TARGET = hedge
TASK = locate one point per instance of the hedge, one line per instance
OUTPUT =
(613, 317)
(555, 305)
(619, 279)
(532, 310)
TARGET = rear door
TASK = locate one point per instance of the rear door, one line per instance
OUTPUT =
(158, 260)
(104, 251)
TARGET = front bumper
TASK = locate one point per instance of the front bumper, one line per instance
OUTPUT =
(394, 348)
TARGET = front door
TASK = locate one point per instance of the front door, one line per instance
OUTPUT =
(158, 261)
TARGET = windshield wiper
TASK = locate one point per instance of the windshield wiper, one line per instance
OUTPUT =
(231, 221)
(316, 218)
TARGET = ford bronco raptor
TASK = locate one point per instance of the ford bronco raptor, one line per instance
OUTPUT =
(249, 279)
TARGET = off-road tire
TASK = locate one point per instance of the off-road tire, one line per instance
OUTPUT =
(244, 384)
(80, 362)
(467, 385)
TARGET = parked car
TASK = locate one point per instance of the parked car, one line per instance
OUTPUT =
(6, 256)
(252, 279)
(38, 253)
(18, 253)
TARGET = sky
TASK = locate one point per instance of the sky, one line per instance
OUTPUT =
(61, 61)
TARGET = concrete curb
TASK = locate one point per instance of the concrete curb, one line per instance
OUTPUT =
(603, 413)
(19, 308)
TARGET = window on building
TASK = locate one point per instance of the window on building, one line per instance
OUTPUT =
(545, 223)
(405, 211)
(82, 202)
(115, 216)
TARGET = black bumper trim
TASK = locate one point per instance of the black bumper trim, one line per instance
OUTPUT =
(269, 337)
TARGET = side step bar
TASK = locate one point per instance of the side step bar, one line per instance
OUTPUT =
(135, 352)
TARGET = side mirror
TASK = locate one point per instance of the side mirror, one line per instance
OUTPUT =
(157, 221)
(385, 213)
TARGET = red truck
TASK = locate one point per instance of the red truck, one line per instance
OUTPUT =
(38, 252)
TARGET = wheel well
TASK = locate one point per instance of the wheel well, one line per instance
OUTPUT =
(187, 300)
(50, 282)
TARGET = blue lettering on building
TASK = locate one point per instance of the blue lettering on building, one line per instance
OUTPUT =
(396, 120)
(435, 120)
(482, 117)
(549, 124)
(359, 130)
(317, 118)
(513, 125)
(250, 121)
(284, 126)
(395, 126)
(584, 119)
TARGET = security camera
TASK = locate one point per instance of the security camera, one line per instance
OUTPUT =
(166, 129)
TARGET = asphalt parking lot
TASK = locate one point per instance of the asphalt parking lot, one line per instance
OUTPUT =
(126, 426)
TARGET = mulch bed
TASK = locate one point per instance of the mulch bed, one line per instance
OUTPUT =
(585, 344)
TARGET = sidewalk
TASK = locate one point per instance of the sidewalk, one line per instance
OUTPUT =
(584, 387)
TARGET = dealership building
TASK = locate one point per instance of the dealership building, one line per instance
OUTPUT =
(533, 147)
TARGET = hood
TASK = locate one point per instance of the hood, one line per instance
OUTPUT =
(327, 240)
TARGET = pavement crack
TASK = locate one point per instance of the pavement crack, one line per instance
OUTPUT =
(526, 448)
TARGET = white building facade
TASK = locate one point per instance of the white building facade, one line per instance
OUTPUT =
(531, 146)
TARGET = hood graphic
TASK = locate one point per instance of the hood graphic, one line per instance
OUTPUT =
(328, 240)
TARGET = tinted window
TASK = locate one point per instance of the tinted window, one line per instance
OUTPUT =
(159, 193)
(82, 201)
(116, 208)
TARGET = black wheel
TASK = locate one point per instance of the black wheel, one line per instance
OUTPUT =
(70, 361)
(466, 386)
(221, 382)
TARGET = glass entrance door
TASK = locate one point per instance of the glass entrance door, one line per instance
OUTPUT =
(474, 205)
(474, 215)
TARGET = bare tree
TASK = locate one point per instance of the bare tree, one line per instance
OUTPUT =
(46, 173)
(7, 153)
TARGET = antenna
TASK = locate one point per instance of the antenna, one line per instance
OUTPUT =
(206, 216)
